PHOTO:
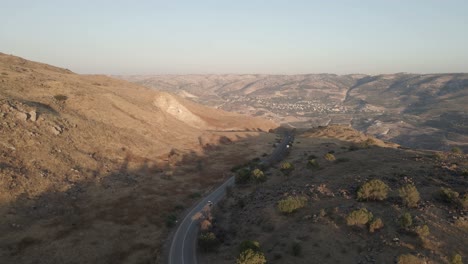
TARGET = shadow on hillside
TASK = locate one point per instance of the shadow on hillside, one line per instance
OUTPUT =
(119, 213)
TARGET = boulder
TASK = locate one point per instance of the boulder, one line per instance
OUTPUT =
(33, 116)
(22, 116)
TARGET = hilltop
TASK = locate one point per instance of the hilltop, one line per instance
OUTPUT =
(414, 110)
(344, 197)
(93, 166)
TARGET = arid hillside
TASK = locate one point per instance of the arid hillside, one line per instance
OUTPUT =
(344, 197)
(415, 110)
(92, 166)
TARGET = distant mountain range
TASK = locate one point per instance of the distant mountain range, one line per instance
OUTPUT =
(415, 110)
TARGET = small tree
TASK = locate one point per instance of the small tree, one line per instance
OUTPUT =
(207, 241)
(422, 231)
(406, 220)
(242, 176)
(409, 195)
(313, 164)
(409, 259)
(373, 190)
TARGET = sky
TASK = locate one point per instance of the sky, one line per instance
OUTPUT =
(237, 37)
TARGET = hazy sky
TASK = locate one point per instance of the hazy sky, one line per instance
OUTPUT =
(248, 36)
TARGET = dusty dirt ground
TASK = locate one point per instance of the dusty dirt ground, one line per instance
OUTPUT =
(320, 229)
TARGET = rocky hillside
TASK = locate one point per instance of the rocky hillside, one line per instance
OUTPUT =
(414, 110)
(343, 197)
(89, 160)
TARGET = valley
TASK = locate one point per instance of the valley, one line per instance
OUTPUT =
(414, 110)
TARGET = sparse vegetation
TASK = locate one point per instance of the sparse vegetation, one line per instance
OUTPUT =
(329, 157)
(448, 195)
(406, 220)
(376, 224)
(409, 195)
(249, 244)
(409, 259)
(457, 150)
(359, 217)
(291, 204)
(373, 190)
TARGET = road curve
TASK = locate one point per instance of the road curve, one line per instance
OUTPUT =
(183, 245)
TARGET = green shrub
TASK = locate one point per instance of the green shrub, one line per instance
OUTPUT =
(409, 259)
(329, 157)
(409, 195)
(406, 220)
(373, 190)
(422, 231)
(296, 249)
(242, 176)
(171, 220)
(257, 176)
(291, 204)
(207, 241)
(249, 244)
(313, 164)
(456, 259)
(251, 257)
(376, 225)
(359, 217)
(457, 150)
(449, 195)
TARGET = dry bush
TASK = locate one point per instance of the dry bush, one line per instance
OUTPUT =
(422, 231)
(376, 225)
(449, 195)
(409, 195)
(329, 157)
(373, 190)
(291, 204)
(258, 176)
(456, 259)
(359, 217)
(250, 256)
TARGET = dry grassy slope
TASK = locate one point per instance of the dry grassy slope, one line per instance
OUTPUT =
(90, 166)
(100, 115)
(320, 230)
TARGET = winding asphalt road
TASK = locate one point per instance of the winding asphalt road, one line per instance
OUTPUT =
(183, 245)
